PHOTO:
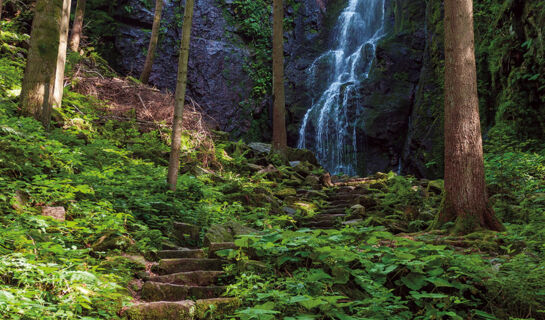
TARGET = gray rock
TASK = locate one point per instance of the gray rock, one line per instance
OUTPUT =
(260, 147)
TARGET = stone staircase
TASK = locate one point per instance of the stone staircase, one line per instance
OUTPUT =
(186, 284)
(345, 204)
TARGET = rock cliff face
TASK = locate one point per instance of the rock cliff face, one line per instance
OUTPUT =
(392, 101)
(217, 79)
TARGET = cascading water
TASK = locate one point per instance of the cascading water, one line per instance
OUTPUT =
(336, 75)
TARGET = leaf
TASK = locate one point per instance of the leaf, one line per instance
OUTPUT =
(414, 281)
(483, 314)
(438, 282)
(429, 295)
(312, 303)
(318, 275)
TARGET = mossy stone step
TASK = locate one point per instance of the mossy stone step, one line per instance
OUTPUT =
(183, 310)
(157, 291)
(196, 278)
(182, 253)
(164, 310)
(347, 203)
(221, 306)
(325, 224)
(345, 196)
(168, 266)
(326, 217)
(334, 211)
(343, 205)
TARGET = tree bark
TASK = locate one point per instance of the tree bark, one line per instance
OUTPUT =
(174, 162)
(1, 7)
(77, 28)
(279, 140)
(144, 77)
(466, 200)
(61, 57)
(40, 73)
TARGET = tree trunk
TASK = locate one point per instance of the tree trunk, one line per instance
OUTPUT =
(466, 200)
(144, 77)
(77, 28)
(1, 7)
(174, 162)
(39, 80)
(279, 140)
(61, 58)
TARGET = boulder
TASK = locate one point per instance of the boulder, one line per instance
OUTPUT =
(186, 233)
(313, 181)
(357, 211)
(111, 241)
(225, 232)
(302, 155)
(260, 147)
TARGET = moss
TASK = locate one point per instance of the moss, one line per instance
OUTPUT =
(216, 308)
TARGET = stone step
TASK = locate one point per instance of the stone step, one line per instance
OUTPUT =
(352, 222)
(164, 310)
(157, 291)
(326, 217)
(168, 266)
(182, 310)
(218, 246)
(222, 308)
(195, 278)
(182, 253)
(338, 203)
(345, 196)
(326, 224)
(343, 205)
(335, 210)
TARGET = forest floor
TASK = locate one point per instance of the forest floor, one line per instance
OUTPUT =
(302, 245)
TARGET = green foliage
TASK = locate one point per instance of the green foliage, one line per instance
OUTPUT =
(253, 20)
(511, 63)
(367, 273)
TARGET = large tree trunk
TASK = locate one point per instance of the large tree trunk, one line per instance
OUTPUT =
(174, 162)
(144, 77)
(61, 58)
(466, 200)
(40, 73)
(279, 140)
(77, 28)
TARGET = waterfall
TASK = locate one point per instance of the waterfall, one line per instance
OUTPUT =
(336, 76)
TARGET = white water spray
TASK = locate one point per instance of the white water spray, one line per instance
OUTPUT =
(337, 74)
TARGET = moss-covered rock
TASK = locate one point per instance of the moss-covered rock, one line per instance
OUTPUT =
(226, 232)
(218, 308)
(179, 310)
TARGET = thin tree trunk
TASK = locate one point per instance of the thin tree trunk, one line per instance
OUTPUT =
(77, 28)
(279, 142)
(61, 58)
(174, 162)
(1, 7)
(40, 72)
(144, 77)
(466, 200)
